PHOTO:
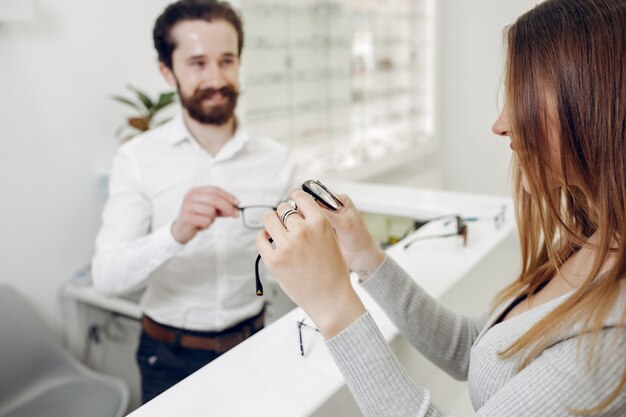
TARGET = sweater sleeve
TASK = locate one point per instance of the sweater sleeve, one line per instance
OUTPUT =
(553, 382)
(442, 335)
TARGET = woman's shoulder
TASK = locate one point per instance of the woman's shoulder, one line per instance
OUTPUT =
(616, 314)
(612, 321)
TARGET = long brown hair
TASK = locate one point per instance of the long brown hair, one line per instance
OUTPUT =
(568, 58)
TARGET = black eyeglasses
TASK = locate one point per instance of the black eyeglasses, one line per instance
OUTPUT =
(322, 194)
(252, 216)
(461, 230)
(300, 324)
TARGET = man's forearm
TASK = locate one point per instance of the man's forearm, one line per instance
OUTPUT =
(120, 268)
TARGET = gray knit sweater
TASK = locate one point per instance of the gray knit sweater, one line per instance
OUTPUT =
(466, 348)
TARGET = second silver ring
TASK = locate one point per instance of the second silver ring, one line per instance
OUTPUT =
(283, 217)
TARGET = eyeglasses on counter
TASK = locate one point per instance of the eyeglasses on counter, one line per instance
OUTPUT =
(461, 228)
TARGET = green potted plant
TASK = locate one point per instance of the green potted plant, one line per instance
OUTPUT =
(146, 109)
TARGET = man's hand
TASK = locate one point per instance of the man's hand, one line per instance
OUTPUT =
(201, 206)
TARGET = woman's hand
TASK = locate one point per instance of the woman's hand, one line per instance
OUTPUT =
(308, 263)
(359, 249)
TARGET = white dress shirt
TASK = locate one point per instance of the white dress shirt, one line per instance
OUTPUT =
(207, 283)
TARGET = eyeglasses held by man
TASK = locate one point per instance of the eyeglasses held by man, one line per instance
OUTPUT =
(252, 216)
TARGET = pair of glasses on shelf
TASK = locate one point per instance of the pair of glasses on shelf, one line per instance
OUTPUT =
(323, 196)
(499, 218)
(300, 324)
(461, 229)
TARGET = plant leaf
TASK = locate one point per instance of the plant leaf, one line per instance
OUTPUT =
(126, 101)
(140, 123)
(145, 100)
(165, 99)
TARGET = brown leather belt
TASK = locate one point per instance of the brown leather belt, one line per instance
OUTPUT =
(217, 341)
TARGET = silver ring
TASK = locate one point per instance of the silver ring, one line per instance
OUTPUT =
(292, 204)
(283, 217)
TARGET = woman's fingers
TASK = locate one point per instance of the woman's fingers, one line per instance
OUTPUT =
(306, 204)
(264, 246)
(275, 228)
(291, 231)
(347, 202)
(292, 219)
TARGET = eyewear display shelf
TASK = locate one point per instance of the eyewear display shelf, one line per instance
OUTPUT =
(341, 82)
(267, 375)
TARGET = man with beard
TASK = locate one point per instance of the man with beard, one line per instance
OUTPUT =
(172, 220)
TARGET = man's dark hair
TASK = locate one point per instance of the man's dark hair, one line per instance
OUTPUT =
(208, 10)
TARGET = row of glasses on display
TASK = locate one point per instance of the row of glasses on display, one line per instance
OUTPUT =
(403, 10)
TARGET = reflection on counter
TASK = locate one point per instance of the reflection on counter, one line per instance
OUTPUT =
(387, 230)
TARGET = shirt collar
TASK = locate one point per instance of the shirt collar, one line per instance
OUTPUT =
(180, 133)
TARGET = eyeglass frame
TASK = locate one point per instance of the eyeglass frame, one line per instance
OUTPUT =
(257, 277)
(328, 199)
(461, 230)
(499, 219)
(243, 209)
(301, 323)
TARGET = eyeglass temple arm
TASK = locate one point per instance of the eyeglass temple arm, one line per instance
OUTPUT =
(300, 337)
(302, 323)
(406, 245)
(257, 278)
(242, 208)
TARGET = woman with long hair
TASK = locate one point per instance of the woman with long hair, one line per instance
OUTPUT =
(555, 342)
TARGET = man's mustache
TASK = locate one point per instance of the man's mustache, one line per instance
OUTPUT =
(206, 93)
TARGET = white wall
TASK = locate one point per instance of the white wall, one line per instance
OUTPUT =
(58, 124)
(471, 63)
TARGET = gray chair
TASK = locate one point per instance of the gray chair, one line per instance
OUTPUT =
(39, 379)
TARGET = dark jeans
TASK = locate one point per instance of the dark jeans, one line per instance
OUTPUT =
(163, 365)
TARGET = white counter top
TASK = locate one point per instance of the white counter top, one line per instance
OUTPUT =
(267, 376)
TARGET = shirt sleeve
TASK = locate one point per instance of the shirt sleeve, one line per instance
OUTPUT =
(442, 335)
(127, 251)
(552, 385)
